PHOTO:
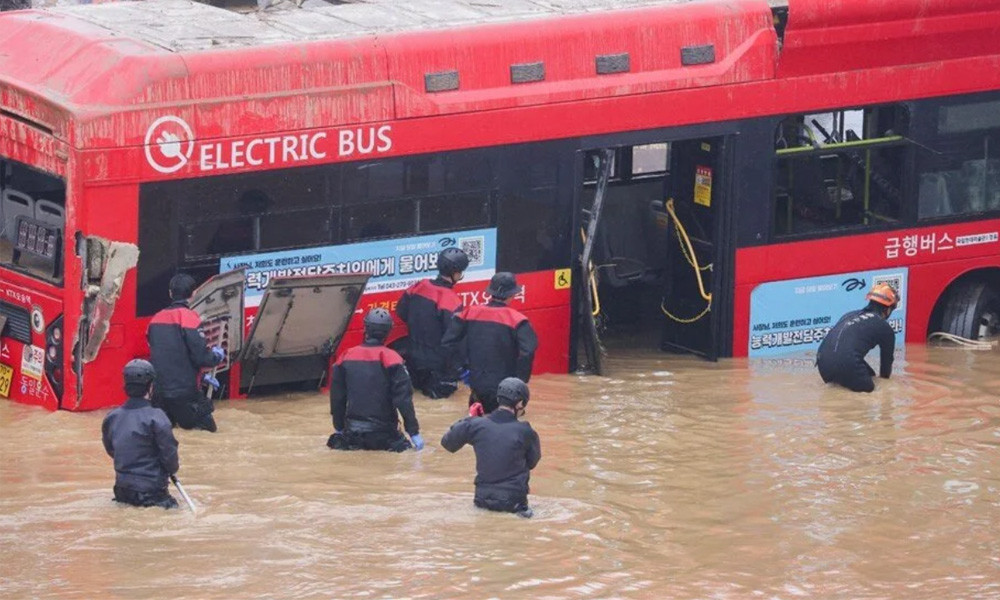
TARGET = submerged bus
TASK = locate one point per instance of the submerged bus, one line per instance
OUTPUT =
(727, 176)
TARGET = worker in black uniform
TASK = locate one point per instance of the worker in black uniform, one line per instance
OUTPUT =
(506, 450)
(495, 341)
(841, 355)
(427, 308)
(141, 441)
(178, 352)
(368, 387)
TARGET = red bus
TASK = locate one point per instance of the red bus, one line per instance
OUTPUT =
(725, 175)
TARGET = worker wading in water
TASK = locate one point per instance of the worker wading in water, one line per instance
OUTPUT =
(427, 308)
(494, 341)
(506, 450)
(179, 352)
(140, 440)
(369, 390)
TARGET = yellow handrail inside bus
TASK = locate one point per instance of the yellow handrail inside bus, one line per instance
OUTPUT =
(593, 280)
(687, 249)
(839, 145)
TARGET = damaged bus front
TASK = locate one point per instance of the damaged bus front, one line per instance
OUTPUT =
(33, 225)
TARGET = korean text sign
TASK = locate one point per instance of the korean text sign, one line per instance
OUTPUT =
(394, 264)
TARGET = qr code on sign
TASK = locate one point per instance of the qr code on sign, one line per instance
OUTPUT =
(473, 247)
(895, 281)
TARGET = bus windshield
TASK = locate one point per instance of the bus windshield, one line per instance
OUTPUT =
(32, 220)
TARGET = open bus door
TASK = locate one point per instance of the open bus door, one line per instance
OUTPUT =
(693, 198)
(298, 327)
(219, 303)
(651, 234)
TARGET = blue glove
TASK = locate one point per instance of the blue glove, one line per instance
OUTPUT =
(218, 353)
(464, 376)
(418, 442)
(208, 379)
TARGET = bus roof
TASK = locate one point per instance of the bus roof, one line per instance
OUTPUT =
(96, 75)
(183, 25)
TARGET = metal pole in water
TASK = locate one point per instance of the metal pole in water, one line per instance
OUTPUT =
(180, 488)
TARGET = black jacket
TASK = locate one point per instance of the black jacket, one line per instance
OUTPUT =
(496, 342)
(177, 350)
(845, 346)
(506, 451)
(427, 308)
(368, 385)
(141, 441)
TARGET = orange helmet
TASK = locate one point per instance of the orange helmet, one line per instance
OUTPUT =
(884, 294)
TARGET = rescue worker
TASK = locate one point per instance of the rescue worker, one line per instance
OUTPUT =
(495, 341)
(506, 450)
(140, 440)
(178, 352)
(427, 308)
(841, 355)
(369, 385)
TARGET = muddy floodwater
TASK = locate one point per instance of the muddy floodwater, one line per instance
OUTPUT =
(671, 478)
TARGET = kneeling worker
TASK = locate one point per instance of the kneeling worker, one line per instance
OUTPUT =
(368, 386)
(506, 450)
(841, 355)
(141, 441)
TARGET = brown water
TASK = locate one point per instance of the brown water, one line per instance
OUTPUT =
(673, 478)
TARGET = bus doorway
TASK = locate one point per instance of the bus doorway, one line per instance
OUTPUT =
(648, 248)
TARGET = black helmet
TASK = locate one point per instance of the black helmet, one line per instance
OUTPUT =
(452, 260)
(139, 372)
(511, 391)
(503, 285)
(378, 323)
(181, 286)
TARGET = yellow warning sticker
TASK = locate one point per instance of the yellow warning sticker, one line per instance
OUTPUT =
(563, 279)
(703, 186)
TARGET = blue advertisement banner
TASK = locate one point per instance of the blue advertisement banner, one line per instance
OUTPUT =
(394, 264)
(794, 315)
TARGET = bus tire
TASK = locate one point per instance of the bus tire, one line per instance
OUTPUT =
(967, 305)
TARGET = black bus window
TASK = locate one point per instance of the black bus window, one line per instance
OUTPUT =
(223, 236)
(32, 220)
(590, 166)
(650, 159)
(384, 219)
(958, 167)
(452, 212)
(839, 169)
(296, 229)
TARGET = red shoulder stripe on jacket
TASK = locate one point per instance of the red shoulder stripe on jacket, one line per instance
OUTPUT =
(381, 354)
(504, 315)
(181, 316)
(444, 298)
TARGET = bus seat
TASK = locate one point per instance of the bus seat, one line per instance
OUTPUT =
(622, 249)
(50, 213)
(14, 204)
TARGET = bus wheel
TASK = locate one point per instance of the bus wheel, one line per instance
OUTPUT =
(972, 310)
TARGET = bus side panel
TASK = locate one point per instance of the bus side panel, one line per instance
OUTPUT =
(935, 255)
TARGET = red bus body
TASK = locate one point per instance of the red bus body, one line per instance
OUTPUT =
(78, 100)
